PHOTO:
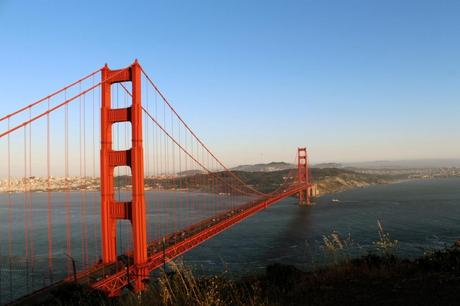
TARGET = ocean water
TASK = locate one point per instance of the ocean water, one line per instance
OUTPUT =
(422, 215)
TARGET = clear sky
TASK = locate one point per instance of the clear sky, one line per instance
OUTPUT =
(351, 80)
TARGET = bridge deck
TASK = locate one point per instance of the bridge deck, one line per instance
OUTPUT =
(114, 277)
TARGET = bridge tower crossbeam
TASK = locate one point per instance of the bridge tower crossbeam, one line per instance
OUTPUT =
(111, 209)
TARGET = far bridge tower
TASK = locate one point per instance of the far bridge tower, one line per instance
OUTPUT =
(303, 176)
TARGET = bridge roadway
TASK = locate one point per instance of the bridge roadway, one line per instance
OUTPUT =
(113, 278)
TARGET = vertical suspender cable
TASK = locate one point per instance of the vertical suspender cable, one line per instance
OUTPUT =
(31, 229)
(26, 217)
(85, 182)
(173, 174)
(145, 127)
(10, 251)
(48, 174)
(80, 142)
(157, 207)
(165, 172)
(67, 191)
(186, 177)
(93, 153)
(179, 178)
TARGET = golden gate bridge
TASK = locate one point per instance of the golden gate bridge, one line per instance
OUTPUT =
(104, 182)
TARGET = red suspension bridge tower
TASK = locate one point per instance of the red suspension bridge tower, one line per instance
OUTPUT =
(112, 210)
(303, 177)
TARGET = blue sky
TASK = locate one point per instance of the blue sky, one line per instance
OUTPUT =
(351, 80)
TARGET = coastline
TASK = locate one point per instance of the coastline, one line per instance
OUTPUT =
(326, 185)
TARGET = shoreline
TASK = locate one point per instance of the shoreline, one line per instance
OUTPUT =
(341, 188)
(373, 185)
(398, 181)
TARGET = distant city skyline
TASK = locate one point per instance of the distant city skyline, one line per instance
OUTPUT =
(350, 80)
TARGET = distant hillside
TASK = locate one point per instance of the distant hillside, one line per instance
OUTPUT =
(405, 164)
(190, 172)
(327, 165)
(270, 167)
(327, 179)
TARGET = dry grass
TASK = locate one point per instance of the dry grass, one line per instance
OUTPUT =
(337, 247)
(340, 249)
(385, 244)
(181, 286)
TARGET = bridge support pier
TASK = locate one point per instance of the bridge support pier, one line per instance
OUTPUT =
(303, 177)
(112, 210)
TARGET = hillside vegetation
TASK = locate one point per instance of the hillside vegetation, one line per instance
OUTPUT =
(328, 180)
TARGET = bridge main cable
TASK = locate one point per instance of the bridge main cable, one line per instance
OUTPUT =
(25, 123)
(196, 137)
(191, 156)
(49, 96)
